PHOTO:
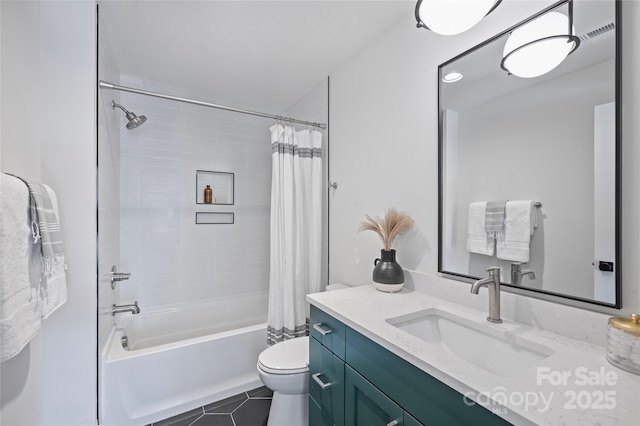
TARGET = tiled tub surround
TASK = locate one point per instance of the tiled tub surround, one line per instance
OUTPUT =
(172, 259)
(180, 359)
(535, 396)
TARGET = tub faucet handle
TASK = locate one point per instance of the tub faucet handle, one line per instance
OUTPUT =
(118, 276)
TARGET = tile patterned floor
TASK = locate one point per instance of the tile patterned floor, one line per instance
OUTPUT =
(246, 409)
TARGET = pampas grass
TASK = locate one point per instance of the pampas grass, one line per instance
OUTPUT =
(388, 228)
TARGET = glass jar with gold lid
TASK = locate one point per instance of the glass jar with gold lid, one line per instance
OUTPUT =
(623, 342)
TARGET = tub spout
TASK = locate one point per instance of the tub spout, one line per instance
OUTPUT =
(134, 309)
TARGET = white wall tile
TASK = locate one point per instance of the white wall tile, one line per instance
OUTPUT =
(172, 259)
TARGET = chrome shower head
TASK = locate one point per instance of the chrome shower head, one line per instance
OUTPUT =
(134, 120)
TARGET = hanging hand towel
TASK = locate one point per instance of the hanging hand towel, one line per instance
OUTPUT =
(518, 228)
(20, 270)
(54, 284)
(477, 241)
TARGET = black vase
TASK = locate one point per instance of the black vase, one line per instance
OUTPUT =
(387, 270)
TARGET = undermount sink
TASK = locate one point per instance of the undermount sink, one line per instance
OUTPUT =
(484, 345)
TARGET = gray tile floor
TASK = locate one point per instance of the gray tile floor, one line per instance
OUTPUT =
(246, 409)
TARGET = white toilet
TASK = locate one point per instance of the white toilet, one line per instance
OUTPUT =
(284, 368)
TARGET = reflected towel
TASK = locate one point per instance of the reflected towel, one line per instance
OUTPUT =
(494, 220)
(520, 222)
(477, 241)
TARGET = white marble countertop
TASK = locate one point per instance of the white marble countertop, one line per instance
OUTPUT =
(575, 385)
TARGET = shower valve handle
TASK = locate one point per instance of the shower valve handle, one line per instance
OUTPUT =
(118, 276)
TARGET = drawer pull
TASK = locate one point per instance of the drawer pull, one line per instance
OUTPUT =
(392, 423)
(323, 331)
(318, 380)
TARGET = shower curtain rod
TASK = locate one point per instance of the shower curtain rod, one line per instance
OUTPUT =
(107, 85)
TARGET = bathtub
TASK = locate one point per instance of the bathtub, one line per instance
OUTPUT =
(161, 363)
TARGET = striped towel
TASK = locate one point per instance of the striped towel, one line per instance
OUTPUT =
(45, 227)
(494, 219)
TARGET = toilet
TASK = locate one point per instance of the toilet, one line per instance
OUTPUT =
(284, 368)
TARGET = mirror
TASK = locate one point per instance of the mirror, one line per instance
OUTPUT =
(552, 139)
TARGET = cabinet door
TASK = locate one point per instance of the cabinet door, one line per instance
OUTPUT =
(326, 381)
(366, 405)
(317, 417)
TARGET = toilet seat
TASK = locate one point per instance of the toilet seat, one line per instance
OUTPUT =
(288, 357)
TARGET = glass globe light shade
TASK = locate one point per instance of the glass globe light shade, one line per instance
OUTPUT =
(449, 17)
(539, 46)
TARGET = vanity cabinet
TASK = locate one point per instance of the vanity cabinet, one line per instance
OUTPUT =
(359, 383)
(326, 369)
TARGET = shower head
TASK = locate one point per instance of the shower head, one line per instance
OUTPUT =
(134, 120)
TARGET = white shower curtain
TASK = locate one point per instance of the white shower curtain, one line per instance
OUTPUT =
(296, 229)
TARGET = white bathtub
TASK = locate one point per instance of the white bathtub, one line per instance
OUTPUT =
(181, 358)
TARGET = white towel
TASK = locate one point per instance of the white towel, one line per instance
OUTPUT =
(20, 270)
(520, 222)
(54, 284)
(477, 239)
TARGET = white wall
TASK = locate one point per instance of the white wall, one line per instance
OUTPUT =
(48, 134)
(384, 143)
(172, 259)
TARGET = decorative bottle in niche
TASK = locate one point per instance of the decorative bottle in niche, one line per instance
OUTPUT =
(208, 195)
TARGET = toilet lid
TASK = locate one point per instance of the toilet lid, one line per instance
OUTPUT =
(288, 357)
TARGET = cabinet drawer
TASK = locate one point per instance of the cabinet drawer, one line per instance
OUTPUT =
(326, 381)
(410, 421)
(426, 398)
(328, 331)
(366, 405)
(317, 417)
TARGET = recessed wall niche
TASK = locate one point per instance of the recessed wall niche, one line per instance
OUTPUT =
(221, 184)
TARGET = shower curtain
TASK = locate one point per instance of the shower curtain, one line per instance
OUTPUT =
(296, 222)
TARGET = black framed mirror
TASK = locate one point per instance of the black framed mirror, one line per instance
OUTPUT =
(549, 143)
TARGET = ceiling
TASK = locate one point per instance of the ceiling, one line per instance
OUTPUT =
(248, 54)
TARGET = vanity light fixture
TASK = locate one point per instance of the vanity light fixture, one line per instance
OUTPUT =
(452, 77)
(449, 17)
(539, 46)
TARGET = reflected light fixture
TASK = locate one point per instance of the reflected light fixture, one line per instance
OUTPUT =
(449, 17)
(539, 46)
(452, 77)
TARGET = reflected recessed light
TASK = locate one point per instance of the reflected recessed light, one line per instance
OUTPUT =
(452, 77)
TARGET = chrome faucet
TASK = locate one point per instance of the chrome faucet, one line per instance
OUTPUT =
(517, 273)
(118, 276)
(117, 309)
(493, 285)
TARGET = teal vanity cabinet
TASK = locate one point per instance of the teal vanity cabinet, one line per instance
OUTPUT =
(359, 383)
(427, 399)
(326, 369)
